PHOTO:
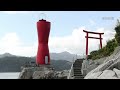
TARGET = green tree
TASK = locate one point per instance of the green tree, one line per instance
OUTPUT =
(117, 35)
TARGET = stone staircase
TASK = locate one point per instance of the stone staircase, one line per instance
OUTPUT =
(77, 69)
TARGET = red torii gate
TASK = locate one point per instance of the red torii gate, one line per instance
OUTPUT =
(100, 37)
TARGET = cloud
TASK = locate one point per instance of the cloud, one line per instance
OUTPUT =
(74, 43)
(11, 43)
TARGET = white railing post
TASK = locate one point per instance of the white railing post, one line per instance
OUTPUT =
(71, 69)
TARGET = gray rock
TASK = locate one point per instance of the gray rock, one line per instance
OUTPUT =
(97, 63)
(26, 74)
(61, 74)
(94, 75)
(87, 66)
(114, 77)
(107, 74)
(109, 63)
(116, 64)
(117, 72)
(47, 74)
(91, 62)
(101, 67)
(42, 72)
(32, 72)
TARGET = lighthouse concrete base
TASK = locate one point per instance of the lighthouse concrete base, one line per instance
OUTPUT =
(37, 72)
(42, 72)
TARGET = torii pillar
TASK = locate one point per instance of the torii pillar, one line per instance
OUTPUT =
(100, 38)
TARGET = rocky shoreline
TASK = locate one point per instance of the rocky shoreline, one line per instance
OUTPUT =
(42, 72)
(108, 67)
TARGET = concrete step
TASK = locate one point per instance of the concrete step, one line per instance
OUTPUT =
(78, 78)
(76, 68)
(78, 63)
(78, 72)
(78, 75)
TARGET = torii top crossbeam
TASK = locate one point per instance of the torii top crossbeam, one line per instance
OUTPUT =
(92, 32)
(87, 32)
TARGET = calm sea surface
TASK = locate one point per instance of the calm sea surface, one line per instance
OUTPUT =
(9, 75)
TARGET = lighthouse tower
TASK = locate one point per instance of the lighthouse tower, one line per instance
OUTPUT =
(43, 29)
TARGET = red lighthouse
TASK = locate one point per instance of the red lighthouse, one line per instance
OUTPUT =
(43, 29)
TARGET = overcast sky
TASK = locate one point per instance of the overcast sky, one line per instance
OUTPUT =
(18, 33)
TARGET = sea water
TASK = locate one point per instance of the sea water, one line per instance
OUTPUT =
(9, 75)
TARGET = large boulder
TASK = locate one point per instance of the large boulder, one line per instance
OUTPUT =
(101, 67)
(87, 66)
(107, 66)
(26, 73)
(61, 74)
(94, 75)
(117, 72)
(107, 74)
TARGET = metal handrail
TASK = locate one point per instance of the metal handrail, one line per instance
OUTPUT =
(70, 71)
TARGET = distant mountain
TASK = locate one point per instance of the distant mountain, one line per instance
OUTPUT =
(11, 63)
(54, 56)
(64, 56)
(6, 55)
